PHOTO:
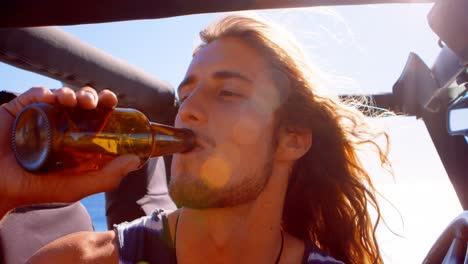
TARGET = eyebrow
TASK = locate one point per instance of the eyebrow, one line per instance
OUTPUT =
(219, 75)
(188, 80)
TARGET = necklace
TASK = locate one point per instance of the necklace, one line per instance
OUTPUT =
(278, 258)
(281, 248)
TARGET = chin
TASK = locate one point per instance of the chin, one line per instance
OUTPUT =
(191, 192)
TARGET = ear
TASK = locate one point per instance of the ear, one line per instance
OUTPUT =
(293, 144)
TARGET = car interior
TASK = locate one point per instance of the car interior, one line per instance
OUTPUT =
(431, 100)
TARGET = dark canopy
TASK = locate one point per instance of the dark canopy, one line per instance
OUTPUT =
(27, 13)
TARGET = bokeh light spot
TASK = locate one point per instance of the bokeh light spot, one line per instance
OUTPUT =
(215, 172)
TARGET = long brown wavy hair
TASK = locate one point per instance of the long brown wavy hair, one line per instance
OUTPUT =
(329, 190)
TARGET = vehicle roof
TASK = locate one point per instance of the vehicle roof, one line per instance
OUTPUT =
(27, 13)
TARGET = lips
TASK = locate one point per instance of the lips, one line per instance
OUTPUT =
(198, 146)
(201, 142)
(195, 149)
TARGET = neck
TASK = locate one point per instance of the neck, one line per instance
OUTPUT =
(6, 206)
(250, 232)
(4, 212)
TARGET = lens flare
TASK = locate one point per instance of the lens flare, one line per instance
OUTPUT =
(215, 172)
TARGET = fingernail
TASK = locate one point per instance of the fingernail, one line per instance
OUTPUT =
(91, 95)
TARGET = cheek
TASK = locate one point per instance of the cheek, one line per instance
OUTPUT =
(251, 126)
(246, 131)
(177, 120)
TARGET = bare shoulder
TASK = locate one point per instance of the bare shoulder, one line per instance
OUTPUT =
(293, 250)
(81, 247)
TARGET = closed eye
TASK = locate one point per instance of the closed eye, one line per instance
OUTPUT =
(227, 93)
(182, 98)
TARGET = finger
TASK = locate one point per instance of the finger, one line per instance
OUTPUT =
(66, 96)
(111, 174)
(106, 179)
(107, 99)
(33, 95)
(87, 98)
(72, 187)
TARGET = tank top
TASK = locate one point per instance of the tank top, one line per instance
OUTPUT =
(147, 240)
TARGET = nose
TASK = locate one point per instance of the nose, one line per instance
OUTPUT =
(193, 108)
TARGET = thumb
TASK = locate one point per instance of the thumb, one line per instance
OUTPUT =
(124, 164)
(109, 177)
(69, 187)
(118, 168)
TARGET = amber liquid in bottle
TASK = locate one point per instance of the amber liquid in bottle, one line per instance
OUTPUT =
(47, 137)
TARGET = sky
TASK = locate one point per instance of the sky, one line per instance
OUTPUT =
(360, 48)
(363, 49)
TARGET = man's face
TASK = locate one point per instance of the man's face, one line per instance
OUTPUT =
(228, 99)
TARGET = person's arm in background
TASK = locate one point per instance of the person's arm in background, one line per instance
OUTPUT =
(19, 187)
(139, 194)
(81, 247)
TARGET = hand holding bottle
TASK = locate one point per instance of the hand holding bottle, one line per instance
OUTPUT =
(19, 187)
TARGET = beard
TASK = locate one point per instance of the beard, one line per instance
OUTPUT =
(198, 194)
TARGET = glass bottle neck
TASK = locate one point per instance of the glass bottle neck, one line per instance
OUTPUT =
(168, 140)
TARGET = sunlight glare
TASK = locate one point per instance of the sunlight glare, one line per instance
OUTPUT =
(215, 172)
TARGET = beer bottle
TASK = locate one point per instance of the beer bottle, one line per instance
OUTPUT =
(48, 137)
